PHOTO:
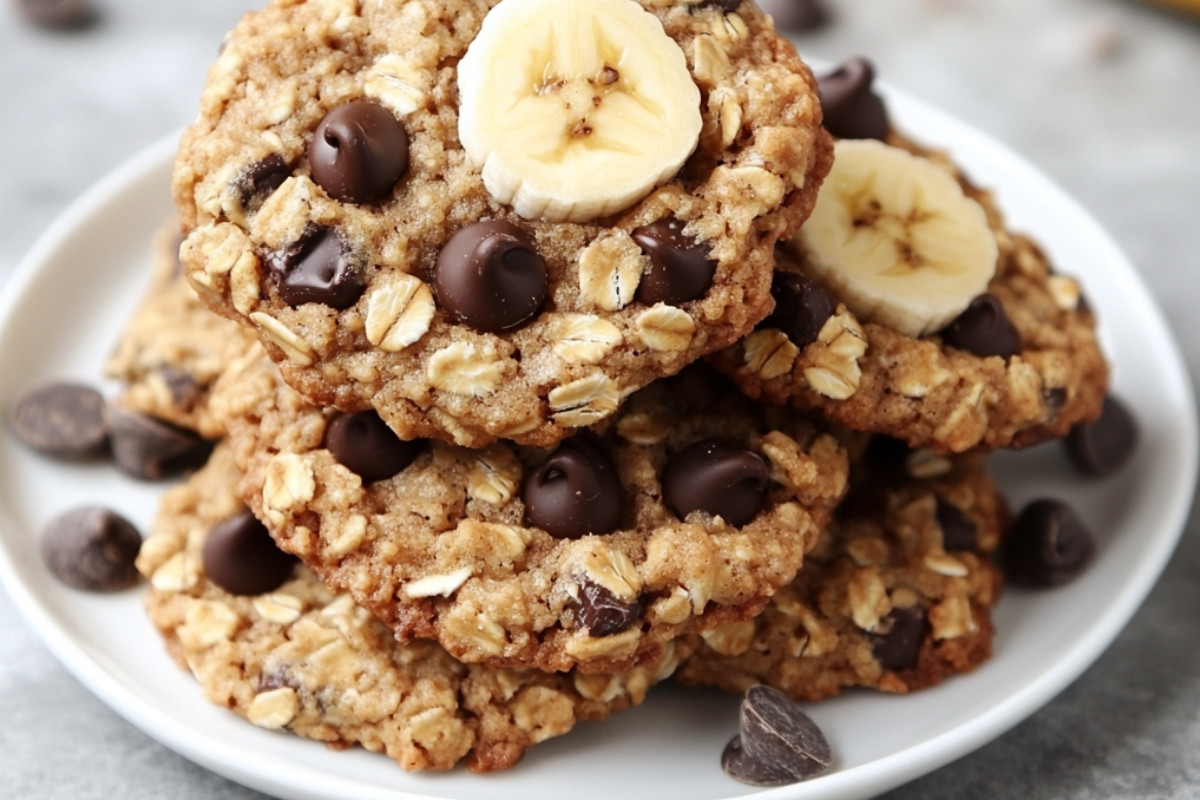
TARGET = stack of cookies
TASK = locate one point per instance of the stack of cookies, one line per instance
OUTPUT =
(551, 348)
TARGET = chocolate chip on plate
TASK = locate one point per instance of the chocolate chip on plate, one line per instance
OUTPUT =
(240, 556)
(1048, 545)
(1100, 448)
(575, 492)
(358, 152)
(364, 444)
(778, 743)
(983, 329)
(60, 14)
(318, 268)
(490, 276)
(91, 548)
(801, 308)
(718, 479)
(680, 269)
(63, 419)
(150, 449)
(602, 613)
(797, 15)
(851, 107)
(959, 531)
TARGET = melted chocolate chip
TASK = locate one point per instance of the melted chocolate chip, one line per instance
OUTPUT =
(1100, 448)
(63, 419)
(91, 548)
(364, 444)
(491, 277)
(680, 268)
(602, 613)
(983, 329)
(575, 492)
(801, 308)
(358, 152)
(185, 390)
(259, 180)
(151, 449)
(851, 109)
(718, 479)
(317, 268)
(900, 647)
(797, 15)
(60, 14)
(1048, 545)
(778, 743)
(959, 531)
(240, 557)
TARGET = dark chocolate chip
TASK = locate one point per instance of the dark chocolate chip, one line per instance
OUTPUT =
(983, 329)
(259, 180)
(1055, 399)
(726, 5)
(602, 613)
(185, 390)
(777, 734)
(60, 14)
(1048, 545)
(752, 771)
(1100, 448)
(680, 268)
(150, 449)
(364, 444)
(801, 308)
(797, 15)
(575, 492)
(852, 110)
(318, 268)
(61, 419)
(491, 276)
(242, 558)
(959, 531)
(718, 479)
(358, 152)
(900, 647)
(91, 548)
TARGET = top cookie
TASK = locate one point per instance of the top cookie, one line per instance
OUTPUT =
(482, 259)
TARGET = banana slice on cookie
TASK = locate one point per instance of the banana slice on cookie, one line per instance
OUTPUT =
(575, 109)
(894, 237)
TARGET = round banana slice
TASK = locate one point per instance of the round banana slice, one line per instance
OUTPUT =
(575, 109)
(894, 237)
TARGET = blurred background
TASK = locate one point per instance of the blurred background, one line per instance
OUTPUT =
(1101, 95)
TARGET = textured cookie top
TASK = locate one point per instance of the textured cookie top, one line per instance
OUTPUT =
(693, 506)
(410, 288)
(302, 659)
(896, 596)
(1020, 365)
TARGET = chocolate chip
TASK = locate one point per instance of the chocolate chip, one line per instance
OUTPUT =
(61, 419)
(1054, 399)
(602, 613)
(491, 276)
(680, 268)
(1048, 545)
(851, 109)
(1100, 448)
(726, 5)
(718, 479)
(575, 492)
(150, 449)
(797, 15)
(959, 531)
(259, 180)
(60, 14)
(778, 742)
(185, 390)
(242, 558)
(900, 647)
(983, 329)
(317, 268)
(91, 548)
(801, 308)
(358, 152)
(364, 444)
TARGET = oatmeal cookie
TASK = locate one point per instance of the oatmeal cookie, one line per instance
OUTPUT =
(691, 507)
(474, 260)
(896, 596)
(291, 655)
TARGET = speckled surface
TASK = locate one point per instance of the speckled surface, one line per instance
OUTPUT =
(1099, 94)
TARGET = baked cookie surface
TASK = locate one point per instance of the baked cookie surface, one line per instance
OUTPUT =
(298, 657)
(692, 506)
(350, 264)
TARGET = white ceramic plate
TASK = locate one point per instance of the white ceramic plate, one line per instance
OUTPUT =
(62, 311)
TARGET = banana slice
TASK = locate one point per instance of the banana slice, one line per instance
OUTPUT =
(894, 237)
(575, 109)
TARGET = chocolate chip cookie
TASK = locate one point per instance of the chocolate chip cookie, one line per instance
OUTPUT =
(269, 641)
(896, 596)
(690, 507)
(478, 252)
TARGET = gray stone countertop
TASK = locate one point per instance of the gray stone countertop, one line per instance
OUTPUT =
(1102, 95)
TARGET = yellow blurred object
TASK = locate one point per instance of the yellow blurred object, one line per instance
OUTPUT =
(1191, 6)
